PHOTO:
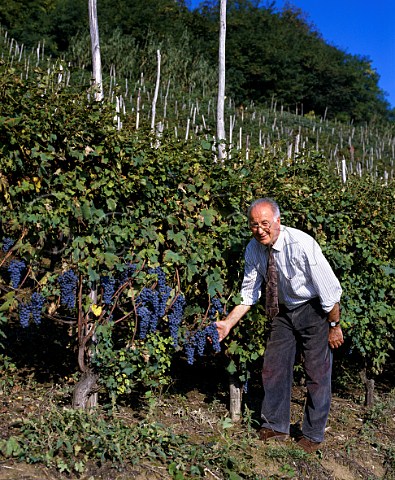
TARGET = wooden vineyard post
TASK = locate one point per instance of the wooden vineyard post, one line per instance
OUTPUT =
(369, 387)
(236, 393)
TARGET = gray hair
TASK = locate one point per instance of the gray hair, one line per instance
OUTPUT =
(273, 205)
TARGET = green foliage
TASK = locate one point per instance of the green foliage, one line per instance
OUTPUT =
(70, 440)
(77, 193)
(130, 58)
(7, 374)
(141, 363)
(378, 430)
(247, 344)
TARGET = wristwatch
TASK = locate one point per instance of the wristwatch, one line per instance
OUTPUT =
(334, 324)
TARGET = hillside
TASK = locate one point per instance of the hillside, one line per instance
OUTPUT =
(271, 54)
(187, 111)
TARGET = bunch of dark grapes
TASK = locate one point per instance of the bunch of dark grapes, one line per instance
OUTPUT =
(108, 284)
(164, 291)
(145, 317)
(212, 332)
(68, 288)
(155, 302)
(201, 336)
(175, 317)
(15, 269)
(149, 300)
(36, 304)
(24, 314)
(128, 273)
(200, 340)
(7, 244)
(216, 308)
(190, 347)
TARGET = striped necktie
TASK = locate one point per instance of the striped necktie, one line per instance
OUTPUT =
(271, 286)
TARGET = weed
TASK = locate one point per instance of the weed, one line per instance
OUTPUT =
(70, 440)
(378, 430)
(7, 374)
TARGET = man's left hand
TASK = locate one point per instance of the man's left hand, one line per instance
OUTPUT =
(335, 338)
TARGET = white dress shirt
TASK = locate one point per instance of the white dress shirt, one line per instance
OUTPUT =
(302, 270)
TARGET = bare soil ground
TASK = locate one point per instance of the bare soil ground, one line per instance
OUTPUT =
(360, 442)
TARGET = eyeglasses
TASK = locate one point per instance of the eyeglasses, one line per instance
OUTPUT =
(265, 225)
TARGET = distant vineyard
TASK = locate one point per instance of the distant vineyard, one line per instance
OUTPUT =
(353, 149)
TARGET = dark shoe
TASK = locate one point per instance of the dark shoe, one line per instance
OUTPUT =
(307, 445)
(266, 434)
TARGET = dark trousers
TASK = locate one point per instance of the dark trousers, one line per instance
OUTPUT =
(308, 327)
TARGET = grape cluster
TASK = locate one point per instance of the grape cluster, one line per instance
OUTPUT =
(15, 269)
(7, 244)
(175, 316)
(24, 314)
(145, 316)
(68, 288)
(108, 284)
(155, 302)
(128, 273)
(152, 303)
(33, 308)
(200, 340)
(163, 289)
(189, 347)
(212, 332)
(148, 301)
(36, 304)
(216, 308)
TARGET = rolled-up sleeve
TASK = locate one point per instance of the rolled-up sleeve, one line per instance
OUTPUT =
(252, 281)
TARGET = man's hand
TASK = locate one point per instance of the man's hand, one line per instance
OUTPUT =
(223, 328)
(335, 338)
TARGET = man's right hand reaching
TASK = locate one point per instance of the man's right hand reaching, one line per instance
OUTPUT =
(223, 329)
(224, 326)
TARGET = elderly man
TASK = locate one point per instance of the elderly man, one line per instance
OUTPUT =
(302, 302)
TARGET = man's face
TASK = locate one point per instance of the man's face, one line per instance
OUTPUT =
(263, 224)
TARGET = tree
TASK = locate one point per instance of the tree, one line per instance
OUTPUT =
(95, 43)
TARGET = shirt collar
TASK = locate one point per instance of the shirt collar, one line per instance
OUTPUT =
(278, 245)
